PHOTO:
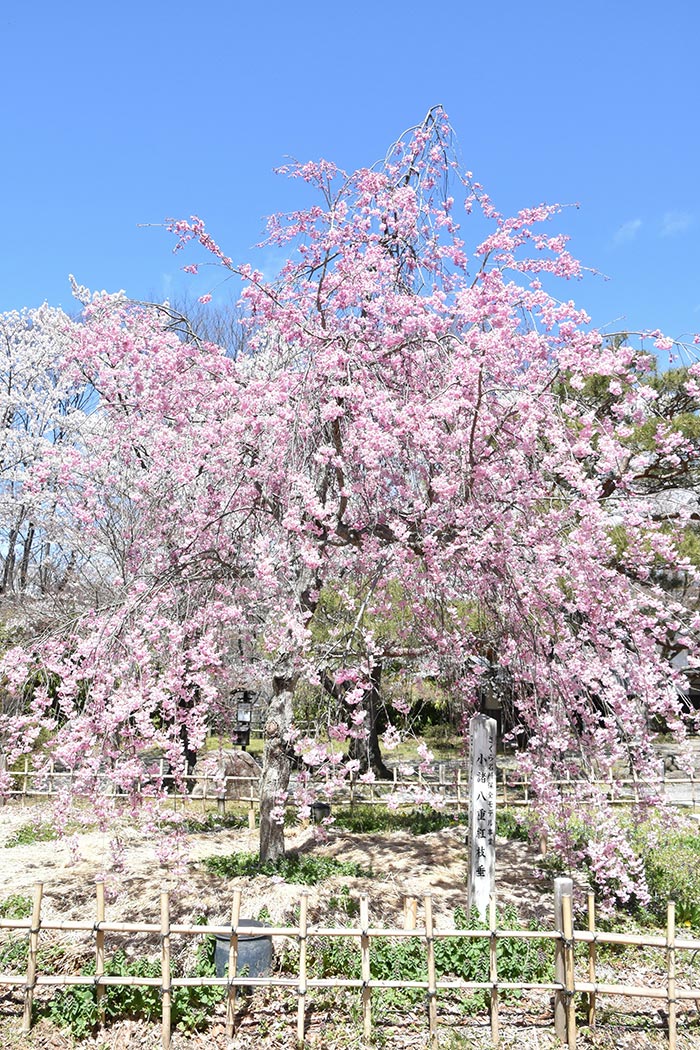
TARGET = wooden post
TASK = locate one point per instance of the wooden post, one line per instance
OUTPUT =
(100, 950)
(432, 987)
(482, 812)
(568, 931)
(592, 953)
(31, 961)
(233, 964)
(671, 961)
(301, 1006)
(165, 967)
(366, 973)
(493, 970)
(25, 783)
(562, 887)
(251, 815)
(410, 913)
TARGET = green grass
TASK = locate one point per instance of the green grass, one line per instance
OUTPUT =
(212, 822)
(672, 869)
(16, 906)
(28, 834)
(364, 819)
(295, 868)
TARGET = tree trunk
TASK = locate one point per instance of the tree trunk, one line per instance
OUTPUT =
(274, 780)
(366, 749)
(24, 564)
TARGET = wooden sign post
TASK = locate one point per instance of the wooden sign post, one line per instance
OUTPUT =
(482, 812)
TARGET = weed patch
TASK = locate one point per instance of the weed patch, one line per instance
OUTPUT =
(76, 1007)
(293, 868)
(365, 819)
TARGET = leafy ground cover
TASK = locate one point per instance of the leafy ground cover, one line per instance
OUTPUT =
(294, 868)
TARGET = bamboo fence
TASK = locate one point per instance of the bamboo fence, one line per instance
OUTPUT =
(450, 783)
(572, 978)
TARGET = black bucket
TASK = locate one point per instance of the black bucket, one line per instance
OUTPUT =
(319, 811)
(254, 952)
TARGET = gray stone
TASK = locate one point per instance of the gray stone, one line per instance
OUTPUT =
(217, 765)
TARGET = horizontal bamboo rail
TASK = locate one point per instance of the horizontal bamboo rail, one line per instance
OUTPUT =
(565, 986)
(512, 789)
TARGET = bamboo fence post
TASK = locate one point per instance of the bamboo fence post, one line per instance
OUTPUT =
(505, 787)
(3, 767)
(493, 969)
(568, 931)
(459, 789)
(301, 1006)
(366, 973)
(635, 786)
(251, 815)
(671, 961)
(100, 950)
(233, 964)
(31, 961)
(410, 913)
(430, 950)
(25, 783)
(592, 954)
(562, 886)
(165, 967)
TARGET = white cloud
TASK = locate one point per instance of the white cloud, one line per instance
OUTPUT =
(627, 232)
(675, 222)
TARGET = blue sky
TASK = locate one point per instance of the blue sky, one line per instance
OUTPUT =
(116, 115)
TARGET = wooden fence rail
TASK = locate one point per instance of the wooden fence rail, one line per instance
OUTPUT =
(571, 978)
(448, 782)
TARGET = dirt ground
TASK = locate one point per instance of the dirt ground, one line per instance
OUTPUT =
(402, 865)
